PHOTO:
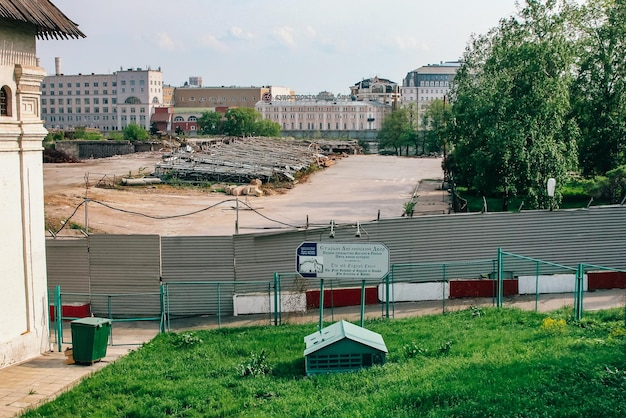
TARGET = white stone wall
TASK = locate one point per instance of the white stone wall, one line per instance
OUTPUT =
(23, 299)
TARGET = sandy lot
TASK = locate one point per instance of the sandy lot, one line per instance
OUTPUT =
(356, 188)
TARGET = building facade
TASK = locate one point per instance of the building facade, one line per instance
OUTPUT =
(430, 82)
(209, 98)
(319, 116)
(107, 102)
(376, 89)
(24, 331)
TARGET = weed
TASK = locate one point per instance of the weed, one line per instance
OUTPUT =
(618, 332)
(413, 350)
(255, 366)
(553, 326)
(187, 339)
(444, 348)
(476, 311)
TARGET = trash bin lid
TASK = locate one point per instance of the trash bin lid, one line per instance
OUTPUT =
(92, 321)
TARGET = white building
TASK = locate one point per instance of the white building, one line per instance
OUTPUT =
(428, 83)
(324, 116)
(24, 331)
(108, 102)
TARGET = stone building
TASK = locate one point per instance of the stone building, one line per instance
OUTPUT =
(24, 332)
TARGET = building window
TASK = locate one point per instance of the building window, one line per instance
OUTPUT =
(5, 101)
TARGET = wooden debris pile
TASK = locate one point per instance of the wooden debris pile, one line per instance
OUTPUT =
(241, 160)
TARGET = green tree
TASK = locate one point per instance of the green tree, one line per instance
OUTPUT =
(241, 121)
(211, 123)
(396, 131)
(153, 129)
(511, 129)
(134, 132)
(599, 90)
(266, 127)
(434, 125)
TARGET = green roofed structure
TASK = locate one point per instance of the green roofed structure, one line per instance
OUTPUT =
(343, 347)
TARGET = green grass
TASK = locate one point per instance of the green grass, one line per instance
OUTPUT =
(480, 362)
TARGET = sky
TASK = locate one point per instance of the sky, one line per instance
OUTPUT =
(308, 46)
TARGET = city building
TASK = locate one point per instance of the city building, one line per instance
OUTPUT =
(428, 83)
(190, 102)
(376, 89)
(209, 98)
(107, 102)
(24, 325)
(313, 117)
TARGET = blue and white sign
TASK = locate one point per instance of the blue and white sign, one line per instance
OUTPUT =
(346, 260)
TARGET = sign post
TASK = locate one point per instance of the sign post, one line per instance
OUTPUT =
(342, 260)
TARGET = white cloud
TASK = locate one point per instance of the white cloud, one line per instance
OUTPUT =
(310, 30)
(410, 43)
(214, 43)
(284, 35)
(165, 41)
(237, 33)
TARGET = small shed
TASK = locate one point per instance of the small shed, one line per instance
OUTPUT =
(343, 347)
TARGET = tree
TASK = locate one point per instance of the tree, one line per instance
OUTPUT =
(511, 129)
(396, 131)
(267, 127)
(210, 123)
(599, 91)
(434, 124)
(153, 129)
(240, 121)
(134, 132)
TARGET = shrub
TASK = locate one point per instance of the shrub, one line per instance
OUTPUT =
(553, 326)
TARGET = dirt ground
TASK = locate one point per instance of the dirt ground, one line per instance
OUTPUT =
(356, 188)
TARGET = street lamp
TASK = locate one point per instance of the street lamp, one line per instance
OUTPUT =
(551, 186)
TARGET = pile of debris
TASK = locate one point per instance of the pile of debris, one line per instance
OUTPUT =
(243, 160)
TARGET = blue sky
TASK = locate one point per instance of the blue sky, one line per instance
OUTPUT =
(309, 46)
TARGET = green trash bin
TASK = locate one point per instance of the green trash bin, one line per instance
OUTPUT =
(90, 337)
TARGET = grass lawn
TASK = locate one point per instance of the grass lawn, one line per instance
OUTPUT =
(474, 363)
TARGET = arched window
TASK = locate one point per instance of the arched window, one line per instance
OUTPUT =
(155, 100)
(132, 100)
(5, 101)
(192, 119)
(179, 119)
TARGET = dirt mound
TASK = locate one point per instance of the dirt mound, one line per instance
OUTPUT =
(51, 155)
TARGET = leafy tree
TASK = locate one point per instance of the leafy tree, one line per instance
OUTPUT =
(396, 131)
(511, 129)
(153, 129)
(134, 132)
(267, 127)
(434, 124)
(599, 90)
(210, 123)
(241, 121)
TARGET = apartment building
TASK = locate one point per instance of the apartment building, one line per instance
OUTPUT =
(108, 102)
(427, 83)
(325, 116)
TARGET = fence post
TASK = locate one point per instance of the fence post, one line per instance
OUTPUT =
(443, 287)
(387, 295)
(500, 281)
(162, 302)
(219, 307)
(58, 321)
(276, 280)
(578, 293)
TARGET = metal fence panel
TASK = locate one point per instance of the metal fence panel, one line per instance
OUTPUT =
(128, 266)
(67, 262)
